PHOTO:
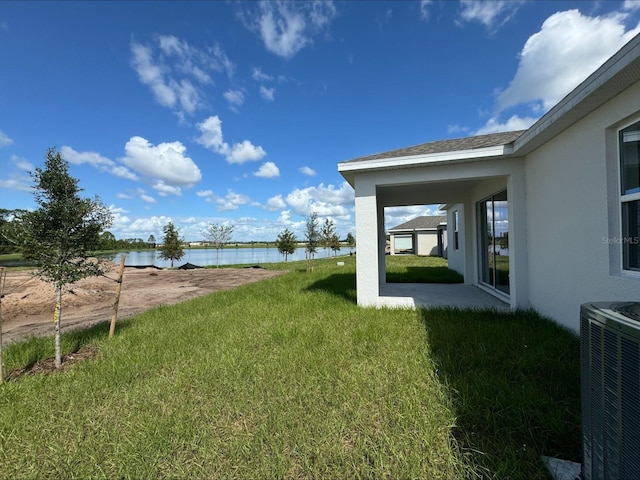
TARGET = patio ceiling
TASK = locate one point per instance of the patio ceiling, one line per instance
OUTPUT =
(426, 193)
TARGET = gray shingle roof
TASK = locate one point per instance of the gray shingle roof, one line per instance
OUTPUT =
(420, 223)
(452, 145)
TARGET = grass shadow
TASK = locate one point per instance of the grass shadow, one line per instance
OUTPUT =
(514, 380)
(429, 274)
(341, 284)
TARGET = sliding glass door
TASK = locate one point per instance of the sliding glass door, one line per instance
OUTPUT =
(493, 221)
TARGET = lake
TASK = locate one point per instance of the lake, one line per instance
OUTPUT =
(207, 256)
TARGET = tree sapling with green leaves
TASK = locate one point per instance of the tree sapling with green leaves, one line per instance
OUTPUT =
(287, 243)
(219, 235)
(351, 242)
(62, 232)
(171, 248)
(312, 238)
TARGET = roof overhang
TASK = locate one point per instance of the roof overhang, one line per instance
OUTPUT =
(349, 169)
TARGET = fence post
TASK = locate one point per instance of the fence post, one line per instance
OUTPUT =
(112, 328)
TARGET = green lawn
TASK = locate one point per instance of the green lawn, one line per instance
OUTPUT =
(415, 269)
(288, 378)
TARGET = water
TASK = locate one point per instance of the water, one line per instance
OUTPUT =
(207, 256)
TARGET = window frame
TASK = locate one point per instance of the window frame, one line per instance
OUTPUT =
(627, 239)
(456, 223)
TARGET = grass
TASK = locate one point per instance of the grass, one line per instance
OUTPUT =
(288, 378)
(415, 269)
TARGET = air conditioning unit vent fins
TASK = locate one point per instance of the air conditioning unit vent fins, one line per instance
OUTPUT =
(610, 390)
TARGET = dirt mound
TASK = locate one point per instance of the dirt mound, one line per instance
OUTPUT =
(27, 307)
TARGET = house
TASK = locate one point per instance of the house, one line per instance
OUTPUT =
(423, 235)
(547, 218)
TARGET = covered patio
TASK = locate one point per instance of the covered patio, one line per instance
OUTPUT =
(467, 176)
(437, 295)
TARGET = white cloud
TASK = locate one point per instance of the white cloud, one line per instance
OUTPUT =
(425, 5)
(211, 138)
(166, 162)
(142, 227)
(275, 203)
(245, 152)
(568, 48)
(231, 201)
(457, 129)
(492, 14)
(234, 97)
(5, 141)
(148, 198)
(267, 93)
(268, 170)
(513, 123)
(287, 27)
(176, 72)
(394, 216)
(97, 161)
(308, 171)
(211, 135)
(205, 193)
(325, 200)
(163, 189)
(22, 163)
(631, 5)
(152, 75)
(259, 76)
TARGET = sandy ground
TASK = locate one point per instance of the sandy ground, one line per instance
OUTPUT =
(28, 303)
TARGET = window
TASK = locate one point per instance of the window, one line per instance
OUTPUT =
(403, 244)
(493, 230)
(630, 195)
(455, 230)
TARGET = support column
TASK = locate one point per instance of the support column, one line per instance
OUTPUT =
(382, 241)
(367, 256)
(518, 259)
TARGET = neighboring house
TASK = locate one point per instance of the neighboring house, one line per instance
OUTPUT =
(547, 218)
(420, 236)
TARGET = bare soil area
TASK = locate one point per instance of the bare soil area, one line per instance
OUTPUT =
(28, 303)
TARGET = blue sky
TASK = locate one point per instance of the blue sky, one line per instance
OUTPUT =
(215, 112)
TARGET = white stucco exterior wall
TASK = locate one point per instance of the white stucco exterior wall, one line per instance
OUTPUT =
(367, 238)
(572, 188)
(456, 255)
(427, 243)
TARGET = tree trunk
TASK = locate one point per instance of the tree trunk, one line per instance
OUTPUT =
(56, 321)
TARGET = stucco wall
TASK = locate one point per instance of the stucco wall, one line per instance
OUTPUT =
(572, 209)
(427, 243)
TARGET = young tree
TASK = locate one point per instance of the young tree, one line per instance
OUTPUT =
(171, 248)
(152, 241)
(286, 243)
(328, 232)
(351, 242)
(218, 234)
(60, 234)
(312, 238)
(334, 244)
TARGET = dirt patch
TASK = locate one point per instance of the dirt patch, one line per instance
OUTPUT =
(28, 303)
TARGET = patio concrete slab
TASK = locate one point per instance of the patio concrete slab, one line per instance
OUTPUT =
(413, 295)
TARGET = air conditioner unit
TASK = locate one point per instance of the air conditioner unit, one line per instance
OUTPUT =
(610, 390)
